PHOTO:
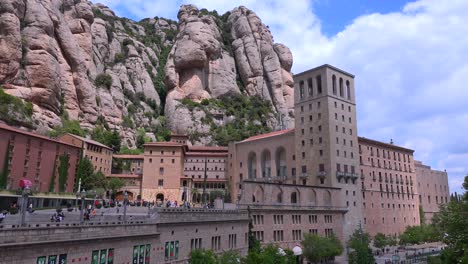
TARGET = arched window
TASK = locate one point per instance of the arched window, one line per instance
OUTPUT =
(252, 165)
(313, 198)
(279, 197)
(309, 87)
(327, 198)
(258, 195)
(301, 89)
(348, 90)
(266, 164)
(280, 160)
(293, 197)
(341, 87)
(334, 84)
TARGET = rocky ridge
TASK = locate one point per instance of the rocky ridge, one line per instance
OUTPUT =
(78, 60)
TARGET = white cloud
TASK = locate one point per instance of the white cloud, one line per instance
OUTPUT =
(410, 67)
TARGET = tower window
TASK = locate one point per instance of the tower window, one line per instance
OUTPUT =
(318, 79)
(301, 89)
(309, 86)
(348, 90)
(334, 84)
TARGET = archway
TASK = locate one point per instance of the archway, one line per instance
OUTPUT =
(159, 197)
(258, 195)
(119, 196)
(313, 198)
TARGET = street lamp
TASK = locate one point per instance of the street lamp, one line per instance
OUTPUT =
(77, 195)
(239, 196)
(24, 204)
(125, 206)
(83, 196)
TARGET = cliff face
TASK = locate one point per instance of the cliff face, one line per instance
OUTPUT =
(71, 58)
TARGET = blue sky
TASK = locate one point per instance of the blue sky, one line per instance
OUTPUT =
(410, 59)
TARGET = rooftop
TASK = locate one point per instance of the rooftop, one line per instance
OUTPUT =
(211, 154)
(325, 66)
(207, 149)
(90, 141)
(128, 156)
(31, 134)
(268, 135)
(383, 144)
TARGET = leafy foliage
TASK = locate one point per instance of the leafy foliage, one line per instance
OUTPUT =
(103, 80)
(14, 111)
(115, 184)
(202, 256)
(126, 150)
(317, 248)
(141, 138)
(361, 252)
(68, 126)
(4, 172)
(107, 137)
(268, 255)
(452, 223)
(419, 234)
(250, 116)
(63, 171)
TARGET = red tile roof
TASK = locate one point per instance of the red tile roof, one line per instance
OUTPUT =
(207, 148)
(211, 154)
(267, 135)
(90, 141)
(27, 133)
(124, 176)
(164, 144)
(128, 156)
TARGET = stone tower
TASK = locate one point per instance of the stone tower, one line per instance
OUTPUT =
(326, 136)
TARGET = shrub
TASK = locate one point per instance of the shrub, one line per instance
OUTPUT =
(13, 210)
(15, 111)
(103, 80)
(119, 57)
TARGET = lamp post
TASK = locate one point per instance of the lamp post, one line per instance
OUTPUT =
(77, 195)
(125, 206)
(239, 196)
(83, 196)
(24, 204)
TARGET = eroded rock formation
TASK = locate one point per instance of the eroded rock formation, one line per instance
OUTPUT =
(76, 59)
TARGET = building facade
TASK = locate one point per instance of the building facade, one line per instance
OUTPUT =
(433, 189)
(25, 155)
(167, 239)
(99, 154)
(389, 192)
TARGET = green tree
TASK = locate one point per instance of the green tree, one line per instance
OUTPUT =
(63, 171)
(84, 172)
(452, 222)
(229, 257)
(316, 248)
(114, 184)
(419, 234)
(4, 172)
(202, 256)
(380, 240)
(52, 179)
(422, 216)
(360, 253)
(269, 254)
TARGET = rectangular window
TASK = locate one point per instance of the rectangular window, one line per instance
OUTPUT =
(301, 89)
(195, 243)
(313, 219)
(232, 244)
(171, 251)
(161, 171)
(160, 182)
(216, 243)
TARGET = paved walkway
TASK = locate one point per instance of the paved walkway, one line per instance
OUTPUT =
(409, 251)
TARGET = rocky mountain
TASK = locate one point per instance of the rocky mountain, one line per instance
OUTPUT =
(75, 60)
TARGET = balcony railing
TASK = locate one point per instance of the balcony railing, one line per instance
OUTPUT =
(321, 174)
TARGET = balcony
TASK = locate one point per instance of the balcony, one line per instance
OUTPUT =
(340, 174)
(362, 176)
(304, 176)
(321, 174)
